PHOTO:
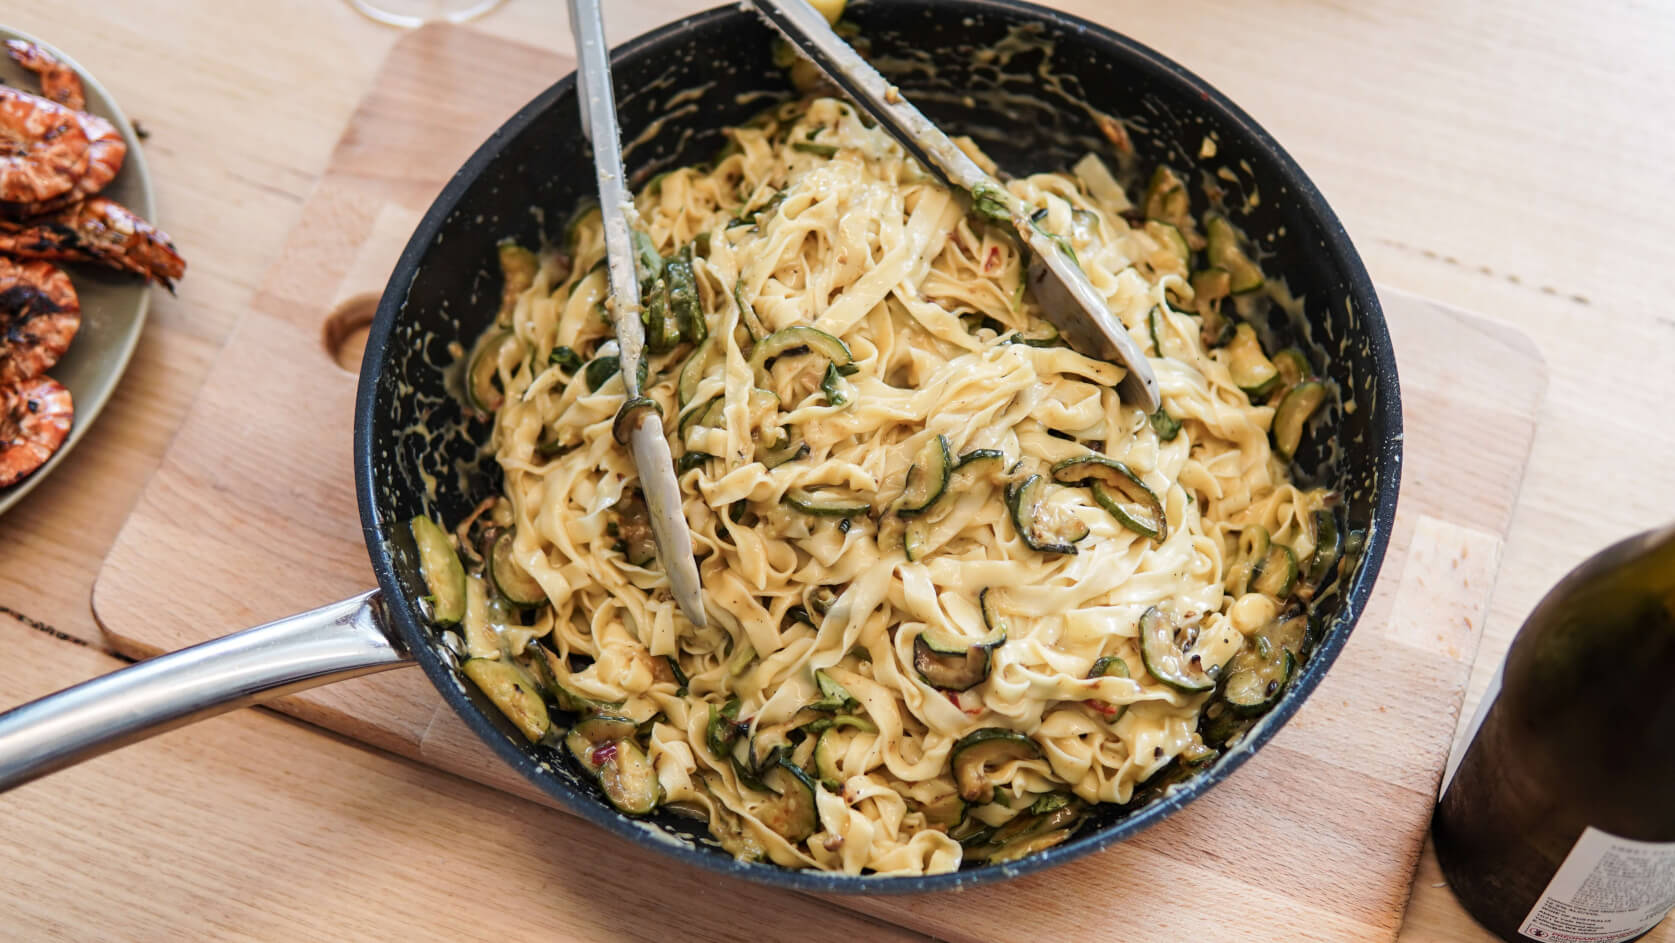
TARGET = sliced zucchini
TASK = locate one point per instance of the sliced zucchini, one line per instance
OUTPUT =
(991, 611)
(692, 372)
(1160, 650)
(691, 460)
(1253, 549)
(517, 269)
(1166, 426)
(789, 448)
(825, 759)
(927, 478)
(1328, 546)
(954, 666)
(825, 503)
(833, 696)
(1293, 366)
(1293, 414)
(662, 332)
(1252, 371)
(1276, 574)
(780, 343)
(1209, 287)
(722, 728)
(832, 385)
(599, 371)
(1118, 490)
(1255, 683)
(482, 372)
(596, 729)
(513, 582)
(1109, 666)
(915, 538)
(1169, 236)
(811, 147)
(633, 524)
(628, 778)
(944, 812)
(1028, 832)
(1166, 197)
(1224, 252)
(792, 813)
(683, 297)
(976, 753)
(565, 359)
(1040, 529)
(991, 204)
(982, 463)
(441, 569)
(628, 417)
(512, 690)
(1041, 334)
(747, 313)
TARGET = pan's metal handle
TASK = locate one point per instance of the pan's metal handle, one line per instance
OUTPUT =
(342, 640)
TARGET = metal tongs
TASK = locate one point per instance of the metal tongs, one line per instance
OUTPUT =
(1066, 296)
(641, 427)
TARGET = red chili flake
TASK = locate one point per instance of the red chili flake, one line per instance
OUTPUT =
(602, 754)
(994, 257)
(1109, 710)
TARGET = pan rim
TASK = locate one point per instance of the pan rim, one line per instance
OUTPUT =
(1338, 249)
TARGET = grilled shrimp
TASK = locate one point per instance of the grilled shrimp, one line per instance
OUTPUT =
(59, 82)
(105, 148)
(39, 315)
(35, 416)
(96, 230)
(43, 148)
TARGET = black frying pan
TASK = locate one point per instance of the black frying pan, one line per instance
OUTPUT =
(1038, 107)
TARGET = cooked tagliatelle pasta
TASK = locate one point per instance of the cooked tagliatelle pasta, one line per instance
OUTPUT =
(957, 590)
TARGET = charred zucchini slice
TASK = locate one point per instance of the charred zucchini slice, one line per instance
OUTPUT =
(1255, 682)
(1165, 659)
(513, 582)
(1119, 491)
(791, 813)
(1293, 414)
(1252, 371)
(1224, 252)
(604, 746)
(976, 753)
(954, 666)
(1040, 527)
(441, 569)
(927, 478)
(1166, 426)
(628, 778)
(511, 688)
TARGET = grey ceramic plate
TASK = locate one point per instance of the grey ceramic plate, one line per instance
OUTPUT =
(113, 305)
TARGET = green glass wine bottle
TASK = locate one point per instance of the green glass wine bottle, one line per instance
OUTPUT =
(1559, 823)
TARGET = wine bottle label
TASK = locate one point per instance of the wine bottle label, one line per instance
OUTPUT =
(1609, 889)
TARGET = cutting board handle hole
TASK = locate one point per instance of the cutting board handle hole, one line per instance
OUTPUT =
(346, 329)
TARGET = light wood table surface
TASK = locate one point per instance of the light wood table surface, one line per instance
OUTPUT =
(1511, 158)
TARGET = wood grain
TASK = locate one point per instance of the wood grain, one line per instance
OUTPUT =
(377, 847)
(247, 466)
(1504, 156)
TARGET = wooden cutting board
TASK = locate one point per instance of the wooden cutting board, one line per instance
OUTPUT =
(252, 516)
